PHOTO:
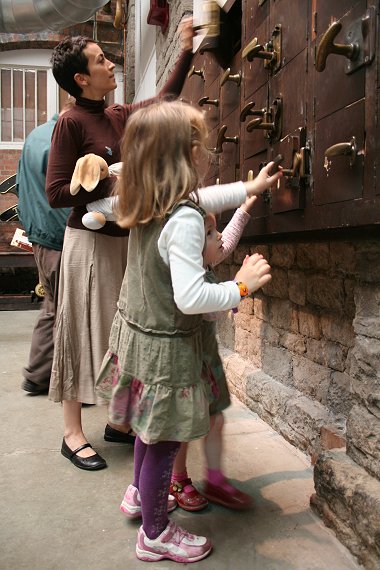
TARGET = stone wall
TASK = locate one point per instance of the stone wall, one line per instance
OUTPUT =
(305, 355)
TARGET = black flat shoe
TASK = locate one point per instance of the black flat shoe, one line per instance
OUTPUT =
(92, 463)
(111, 434)
(34, 389)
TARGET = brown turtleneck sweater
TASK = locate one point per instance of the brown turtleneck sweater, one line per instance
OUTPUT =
(91, 127)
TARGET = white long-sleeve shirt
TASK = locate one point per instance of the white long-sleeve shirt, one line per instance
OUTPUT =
(181, 243)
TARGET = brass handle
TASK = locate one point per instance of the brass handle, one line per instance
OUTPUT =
(251, 50)
(206, 101)
(327, 46)
(296, 166)
(300, 164)
(221, 139)
(344, 149)
(269, 120)
(194, 71)
(247, 110)
(117, 23)
(250, 175)
(259, 124)
(228, 77)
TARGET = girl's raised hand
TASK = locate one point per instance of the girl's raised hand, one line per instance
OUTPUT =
(255, 272)
(248, 204)
(263, 180)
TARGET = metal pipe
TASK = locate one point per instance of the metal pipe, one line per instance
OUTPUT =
(27, 16)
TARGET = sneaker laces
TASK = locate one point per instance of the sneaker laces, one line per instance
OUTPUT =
(180, 533)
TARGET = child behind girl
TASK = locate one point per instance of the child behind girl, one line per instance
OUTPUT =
(217, 488)
(155, 354)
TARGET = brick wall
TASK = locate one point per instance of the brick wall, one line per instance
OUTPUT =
(305, 355)
(8, 162)
(298, 341)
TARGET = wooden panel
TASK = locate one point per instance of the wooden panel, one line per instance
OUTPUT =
(376, 144)
(334, 88)
(212, 68)
(291, 82)
(254, 142)
(254, 16)
(212, 112)
(193, 88)
(230, 91)
(335, 180)
(290, 192)
(254, 73)
(319, 110)
(327, 12)
(230, 157)
(293, 19)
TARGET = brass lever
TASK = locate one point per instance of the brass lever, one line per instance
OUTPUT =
(344, 149)
(291, 172)
(228, 77)
(221, 139)
(269, 52)
(300, 165)
(269, 120)
(193, 71)
(258, 124)
(247, 110)
(252, 50)
(327, 46)
(206, 101)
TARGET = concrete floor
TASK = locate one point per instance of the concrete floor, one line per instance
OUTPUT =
(56, 517)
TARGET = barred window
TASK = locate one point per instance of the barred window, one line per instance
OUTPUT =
(23, 101)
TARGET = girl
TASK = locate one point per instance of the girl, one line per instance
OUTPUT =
(155, 353)
(217, 247)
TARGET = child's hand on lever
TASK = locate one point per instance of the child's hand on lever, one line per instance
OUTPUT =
(263, 180)
(248, 204)
(254, 273)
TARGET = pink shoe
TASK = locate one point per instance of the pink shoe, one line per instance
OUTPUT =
(131, 504)
(188, 500)
(173, 543)
(236, 500)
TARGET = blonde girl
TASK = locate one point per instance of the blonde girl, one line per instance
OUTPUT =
(152, 371)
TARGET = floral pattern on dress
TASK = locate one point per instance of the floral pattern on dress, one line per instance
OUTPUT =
(110, 376)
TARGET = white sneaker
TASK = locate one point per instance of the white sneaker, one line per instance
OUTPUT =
(131, 503)
(173, 543)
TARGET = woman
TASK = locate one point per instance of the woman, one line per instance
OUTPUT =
(93, 263)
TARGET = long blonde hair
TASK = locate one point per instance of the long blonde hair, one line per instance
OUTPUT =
(158, 169)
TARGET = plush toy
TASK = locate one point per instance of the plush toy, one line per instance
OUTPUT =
(89, 170)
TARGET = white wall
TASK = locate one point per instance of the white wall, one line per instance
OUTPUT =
(145, 44)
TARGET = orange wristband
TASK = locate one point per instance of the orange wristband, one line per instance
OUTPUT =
(243, 289)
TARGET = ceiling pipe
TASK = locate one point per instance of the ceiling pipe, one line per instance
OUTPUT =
(29, 16)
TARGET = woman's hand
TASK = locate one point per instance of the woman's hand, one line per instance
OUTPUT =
(255, 272)
(186, 33)
(263, 180)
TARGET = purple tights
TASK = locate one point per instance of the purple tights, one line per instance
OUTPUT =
(153, 466)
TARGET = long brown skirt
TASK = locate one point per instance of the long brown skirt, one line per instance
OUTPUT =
(92, 271)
